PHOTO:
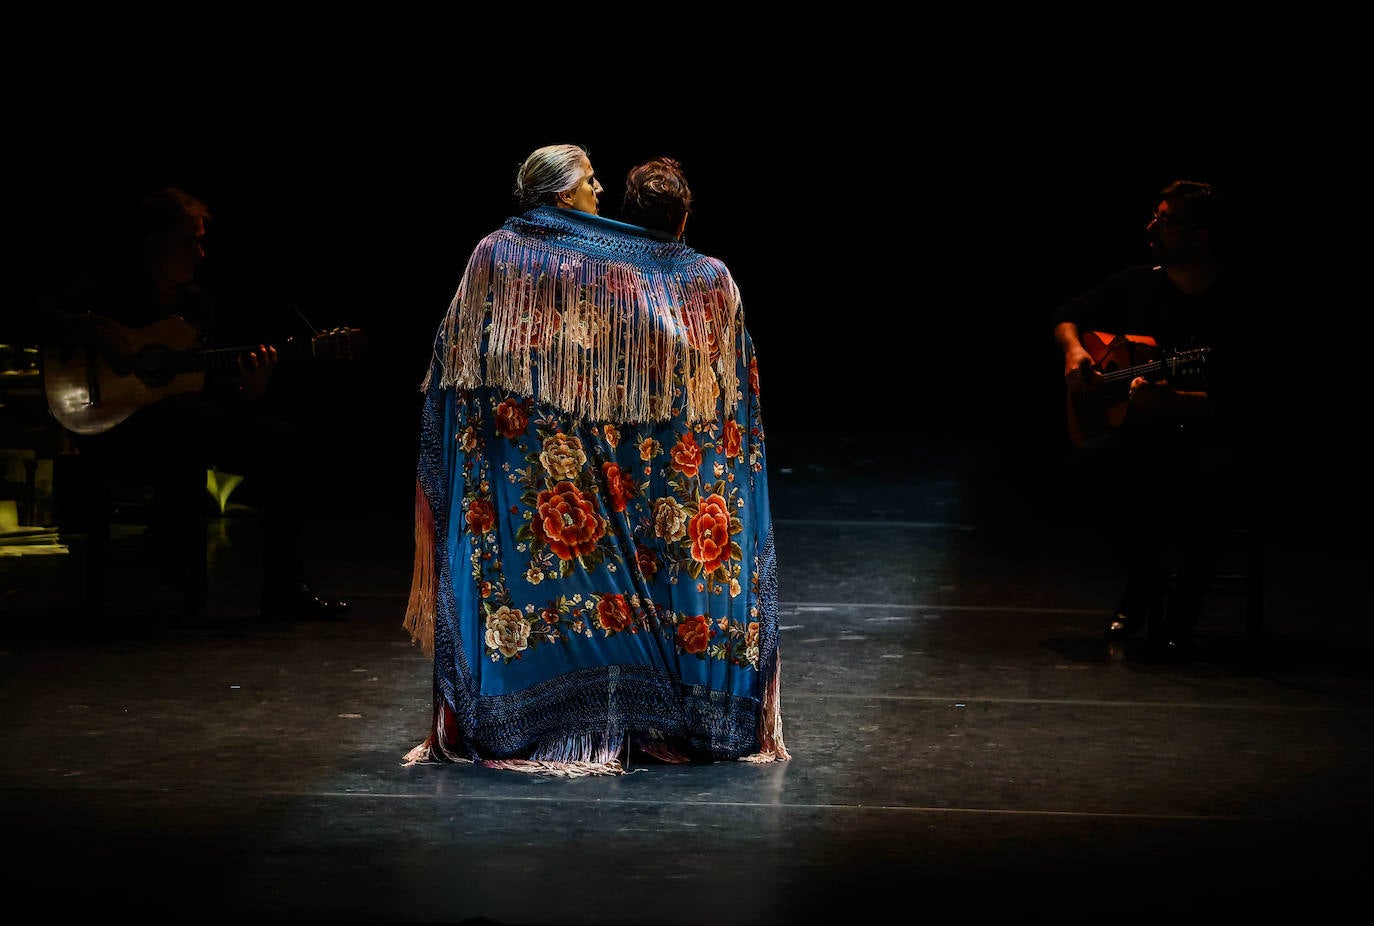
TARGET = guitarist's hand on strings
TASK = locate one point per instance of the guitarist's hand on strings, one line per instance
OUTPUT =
(256, 368)
(1079, 373)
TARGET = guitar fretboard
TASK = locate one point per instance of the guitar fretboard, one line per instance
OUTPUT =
(1185, 362)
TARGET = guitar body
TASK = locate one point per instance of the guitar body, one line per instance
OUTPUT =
(1103, 408)
(88, 396)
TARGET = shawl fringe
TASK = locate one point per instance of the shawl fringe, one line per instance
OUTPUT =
(600, 337)
(420, 610)
(771, 745)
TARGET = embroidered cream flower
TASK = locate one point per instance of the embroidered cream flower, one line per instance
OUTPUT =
(563, 456)
(507, 631)
(670, 519)
(534, 575)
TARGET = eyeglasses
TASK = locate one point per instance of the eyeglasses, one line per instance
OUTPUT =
(1164, 218)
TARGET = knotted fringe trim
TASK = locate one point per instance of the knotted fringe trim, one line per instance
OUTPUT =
(607, 338)
(574, 756)
(558, 769)
(771, 746)
(420, 610)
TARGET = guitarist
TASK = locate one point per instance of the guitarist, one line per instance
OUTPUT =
(1151, 482)
(226, 423)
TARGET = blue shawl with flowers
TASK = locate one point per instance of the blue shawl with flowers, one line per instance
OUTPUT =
(594, 565)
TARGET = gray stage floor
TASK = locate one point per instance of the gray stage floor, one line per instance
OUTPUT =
(965, 744)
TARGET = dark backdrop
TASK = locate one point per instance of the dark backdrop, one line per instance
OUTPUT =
(898, 256)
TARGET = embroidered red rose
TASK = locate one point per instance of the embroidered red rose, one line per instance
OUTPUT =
(730, 438)
(481, 516)
(613, 613)
(754, 375)
(695, 633)
(512, 417)
(567, 521)
(710, 532)
(686, 455)
(620, 486)
(647, 561)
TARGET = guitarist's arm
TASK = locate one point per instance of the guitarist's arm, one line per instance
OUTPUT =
(1079, 372)
(1160, 398)
(69, 331)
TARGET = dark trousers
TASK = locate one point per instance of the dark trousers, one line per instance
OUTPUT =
(1161, 502)
(172, 443)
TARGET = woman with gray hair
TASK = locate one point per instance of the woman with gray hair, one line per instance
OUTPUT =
(560, 176)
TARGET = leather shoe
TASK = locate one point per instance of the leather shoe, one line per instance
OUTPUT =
(1122, 626)
(300, 601)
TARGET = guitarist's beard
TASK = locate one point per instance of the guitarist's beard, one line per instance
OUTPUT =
(1175, 256)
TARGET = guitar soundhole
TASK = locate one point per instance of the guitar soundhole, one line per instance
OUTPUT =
(153, 366)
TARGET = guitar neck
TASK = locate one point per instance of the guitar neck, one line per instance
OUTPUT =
(1130, 373)
(225, 358)
(1170, 364)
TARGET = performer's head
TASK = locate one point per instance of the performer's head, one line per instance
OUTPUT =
(1185, 224)
(170, 227)
(558, 175)
(657, 196)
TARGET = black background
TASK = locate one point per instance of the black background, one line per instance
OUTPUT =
(900, 233)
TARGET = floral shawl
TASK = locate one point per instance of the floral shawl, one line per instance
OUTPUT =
(594, 565)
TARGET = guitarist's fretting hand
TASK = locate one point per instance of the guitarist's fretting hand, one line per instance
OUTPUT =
(256, 368)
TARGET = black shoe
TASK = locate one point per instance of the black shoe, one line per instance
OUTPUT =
(1134, 613)
(300, 602)
(1123, 626)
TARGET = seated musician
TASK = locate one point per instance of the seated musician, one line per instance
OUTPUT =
(1153, 451)
(173, 431)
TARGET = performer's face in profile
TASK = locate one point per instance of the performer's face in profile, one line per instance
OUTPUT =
(584, 195)
(1169, 237)
(176, 256)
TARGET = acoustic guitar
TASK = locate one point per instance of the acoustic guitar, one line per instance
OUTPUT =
(1120, 358)
(88, 395)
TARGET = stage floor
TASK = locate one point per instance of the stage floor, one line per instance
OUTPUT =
(964, 741)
